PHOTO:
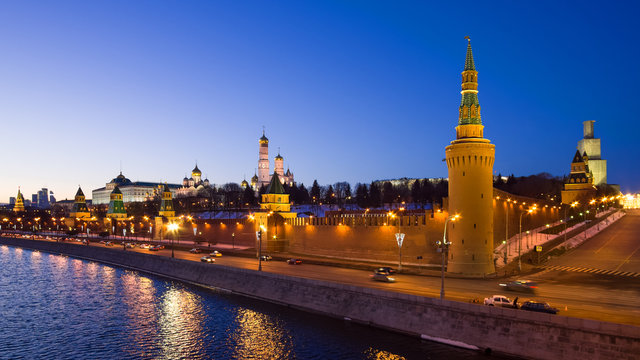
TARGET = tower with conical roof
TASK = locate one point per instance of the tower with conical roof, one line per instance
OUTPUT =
(275, 199)
(116, 205)
(80, 209)
(470, 163)
(19, 205)
(263, 161)
(579, 185)
(166, 205)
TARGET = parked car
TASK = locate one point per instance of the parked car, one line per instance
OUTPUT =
(144, 246)
(387, 269)
(108, 243)
(154, 248)
(216, 253)
(265, 257)
(207, 259)
(195, 251)
(538, 307)
(499, 300)
(129, 245)
(383, 276)
(521, 285)
(293, 261)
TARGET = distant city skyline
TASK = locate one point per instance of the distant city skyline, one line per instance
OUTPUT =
(356, 91)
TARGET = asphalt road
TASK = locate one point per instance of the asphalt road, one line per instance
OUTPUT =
(616, 248)
(578, 295)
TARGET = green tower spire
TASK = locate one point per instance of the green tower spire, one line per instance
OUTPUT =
(116, 205)
(469, 106)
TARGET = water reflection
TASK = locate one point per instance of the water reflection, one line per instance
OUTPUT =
(180, 324)
(375, 354)
(257, 336)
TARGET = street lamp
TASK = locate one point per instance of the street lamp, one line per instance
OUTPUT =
(520, 239)
(259, 238)
(399, 240)
(173, 227)
(443, 247)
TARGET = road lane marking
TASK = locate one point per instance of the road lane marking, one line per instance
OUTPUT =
(627, 259)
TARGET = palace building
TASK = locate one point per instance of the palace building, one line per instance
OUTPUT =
(470, 164)
(132, 191)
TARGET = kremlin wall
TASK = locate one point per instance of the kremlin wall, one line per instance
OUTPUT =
(365, 237)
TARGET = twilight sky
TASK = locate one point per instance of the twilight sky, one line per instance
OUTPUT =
(349, 90)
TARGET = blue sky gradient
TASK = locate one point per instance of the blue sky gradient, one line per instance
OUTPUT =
(349, 90)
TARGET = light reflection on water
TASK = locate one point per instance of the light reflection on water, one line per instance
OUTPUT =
(56, 307)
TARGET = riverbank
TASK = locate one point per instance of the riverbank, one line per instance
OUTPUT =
(516, 332)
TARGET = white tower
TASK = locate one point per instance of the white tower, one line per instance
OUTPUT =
(263, 162)
(591, 146)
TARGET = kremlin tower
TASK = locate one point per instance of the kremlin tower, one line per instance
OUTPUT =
(19, 205)
(470, 163)
(80, 210)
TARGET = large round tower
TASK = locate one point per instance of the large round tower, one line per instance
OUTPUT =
(470, 162)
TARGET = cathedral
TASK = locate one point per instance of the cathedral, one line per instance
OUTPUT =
(193, 185)
(263, 177)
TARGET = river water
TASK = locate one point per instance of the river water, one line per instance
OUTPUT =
(58, 307)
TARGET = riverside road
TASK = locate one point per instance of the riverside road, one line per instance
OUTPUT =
(587, 295)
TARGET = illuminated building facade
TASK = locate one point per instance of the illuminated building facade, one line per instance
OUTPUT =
(132, 191)
(193, 185)
(591, 146)
(579, 185)
(19, 204)
(263, 178)
(166, 205)
(116, 205)
(470, 164)
(80, 209)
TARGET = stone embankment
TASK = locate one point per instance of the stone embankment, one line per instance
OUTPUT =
(522, 333)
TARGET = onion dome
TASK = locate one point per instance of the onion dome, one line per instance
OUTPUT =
(279, 157)
(196, 171)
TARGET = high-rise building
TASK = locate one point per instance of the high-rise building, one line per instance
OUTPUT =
(470, 163)
(591, 145)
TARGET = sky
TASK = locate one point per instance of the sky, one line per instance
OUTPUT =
(347, 90)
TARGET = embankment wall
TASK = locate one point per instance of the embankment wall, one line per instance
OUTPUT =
(522, 333)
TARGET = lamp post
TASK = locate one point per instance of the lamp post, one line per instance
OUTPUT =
(443, 247)
(172, 227)
(259, 238)
(573, 204)
(520, 239)
(399, 240)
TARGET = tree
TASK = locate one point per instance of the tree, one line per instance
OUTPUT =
(303, 194)
(315, 192)
(427, 191)
(249, 197)
(362, 195)
(388, 193)
(330, 196)
(375, 197)
(416, 193)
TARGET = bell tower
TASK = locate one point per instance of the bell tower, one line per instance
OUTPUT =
(263, 161)
(470, 163)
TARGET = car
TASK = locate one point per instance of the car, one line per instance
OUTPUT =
(387, 269)
(160, 247)
(383, 276)
(499, 300)
(293, 261)
(129, 246)
(144, 246)
(265, 257)
(216, 253)
(195, 251)
(154, 248)
(207, 259)
(108, 243)
(538, 307)
(521, 285)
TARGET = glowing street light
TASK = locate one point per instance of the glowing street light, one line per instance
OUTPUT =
(443, 247)
(173, 227)
(520, 239)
